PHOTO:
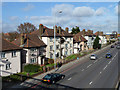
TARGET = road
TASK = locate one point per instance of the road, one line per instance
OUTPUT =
(100, 73)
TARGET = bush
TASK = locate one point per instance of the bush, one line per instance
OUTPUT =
(71, 57)
(14, 77)
(31, 68)
(50, 61)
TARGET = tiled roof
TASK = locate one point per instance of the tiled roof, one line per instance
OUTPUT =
(8, 46)
(85, 33)
(99, 33)
(50, 33)
(30, 41)
(79, 38)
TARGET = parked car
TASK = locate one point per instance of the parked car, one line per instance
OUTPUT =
(118, 46)
(108, 55)
(52, 78)
(112, 46)
(93, 57)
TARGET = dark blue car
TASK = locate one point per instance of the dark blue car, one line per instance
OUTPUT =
(108, 55)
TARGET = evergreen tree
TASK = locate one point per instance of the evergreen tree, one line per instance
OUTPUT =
(96, 43)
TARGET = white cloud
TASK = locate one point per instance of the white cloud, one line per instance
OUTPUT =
(66, 9)
(101, 11)
(28, 7)
(83, 11)
(13, 18)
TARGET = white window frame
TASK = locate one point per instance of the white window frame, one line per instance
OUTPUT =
(2, 54)
(51, 39)
(33, 49)
(8, 66)
(33, 60)
(57, 46)
(14, 54)
(51, 55)
(51, 47)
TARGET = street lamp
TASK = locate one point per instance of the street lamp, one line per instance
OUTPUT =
(54, 42)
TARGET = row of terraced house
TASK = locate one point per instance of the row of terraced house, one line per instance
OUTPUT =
(38, 46)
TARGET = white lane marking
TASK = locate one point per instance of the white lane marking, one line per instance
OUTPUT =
(95, 61)
(90, 82)
(109, 62)
(69, 79)
(114, 56)
(89, 65)
(82, 69)
(105, 67)
(100, 72)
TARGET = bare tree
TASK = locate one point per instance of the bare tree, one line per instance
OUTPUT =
(26, 28)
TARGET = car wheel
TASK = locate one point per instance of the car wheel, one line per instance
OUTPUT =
(53, 82)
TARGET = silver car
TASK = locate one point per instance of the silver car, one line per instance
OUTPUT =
(93, 57)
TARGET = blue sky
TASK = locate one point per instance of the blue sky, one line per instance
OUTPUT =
(98, 16)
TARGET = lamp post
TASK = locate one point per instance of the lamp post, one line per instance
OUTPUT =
(55, 41)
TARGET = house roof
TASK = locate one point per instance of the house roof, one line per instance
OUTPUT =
(30, 41)
(8, 46)
(79, 38)
(99, 33)
(50, 33)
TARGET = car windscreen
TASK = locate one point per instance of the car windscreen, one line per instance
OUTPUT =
(48, 76)
(92, 55)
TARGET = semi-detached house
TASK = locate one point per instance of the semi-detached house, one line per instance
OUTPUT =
(89, 36)
(80, 43)
(10, 58)
(34, 49)
(63, 41)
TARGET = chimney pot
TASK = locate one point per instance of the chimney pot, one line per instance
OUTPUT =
(40, 30)
(66, 29)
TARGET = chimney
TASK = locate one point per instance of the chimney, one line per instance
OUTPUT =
(59, 28)
(79, 38)
(55, 29)
(83, 32)
(66, 29)
(22, 39)
(40, 30)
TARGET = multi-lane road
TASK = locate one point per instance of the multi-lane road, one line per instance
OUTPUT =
(100, 73)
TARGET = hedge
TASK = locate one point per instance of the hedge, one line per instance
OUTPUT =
(31, 68)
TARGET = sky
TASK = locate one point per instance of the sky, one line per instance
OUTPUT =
(96, 16)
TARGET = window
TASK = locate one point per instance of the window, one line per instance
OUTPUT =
(13, 53)
(33, 49)
(70, 51)
(66, 38)
(51, 39)
(33, 60)
(8, 66)
(70, 45)
(66, 45)
(57, 46)
(57, 55)
(51, 47)
(3, 55)
(65, 52)
(51, 55)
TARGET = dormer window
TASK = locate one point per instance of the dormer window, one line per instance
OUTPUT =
(3, 55)
(14, 54)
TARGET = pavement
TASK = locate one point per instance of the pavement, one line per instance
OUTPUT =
(83, 73)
